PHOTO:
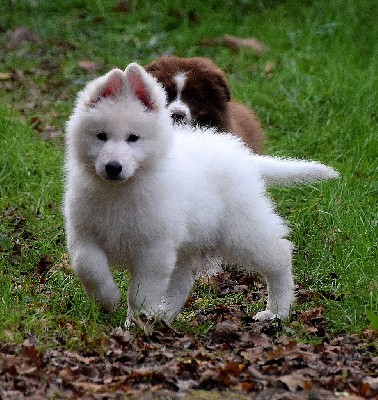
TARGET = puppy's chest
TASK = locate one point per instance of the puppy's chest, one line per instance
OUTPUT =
(110, 225)
(118, 226)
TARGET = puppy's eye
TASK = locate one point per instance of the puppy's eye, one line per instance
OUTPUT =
(171, 95)
(102, 136)
(132, 138)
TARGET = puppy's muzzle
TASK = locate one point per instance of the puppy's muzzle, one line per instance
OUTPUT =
(113, 169)
(179, 116)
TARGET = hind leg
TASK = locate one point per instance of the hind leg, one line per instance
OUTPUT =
(271, 257)
(276, 268)
(255, 239)
(280, 283)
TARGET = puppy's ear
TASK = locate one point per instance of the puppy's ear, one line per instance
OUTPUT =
(113, 85)
(152, 67)
(144, 87)
(109, 85)
(223, 85)
(217, 77)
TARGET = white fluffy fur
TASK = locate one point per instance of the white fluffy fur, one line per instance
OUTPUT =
(182, 193)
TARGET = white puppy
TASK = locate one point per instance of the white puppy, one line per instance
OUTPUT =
(153, 198)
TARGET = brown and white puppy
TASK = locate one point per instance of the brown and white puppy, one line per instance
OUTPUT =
(199, 94)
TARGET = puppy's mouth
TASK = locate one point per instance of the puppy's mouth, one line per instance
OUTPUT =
(115, 180)
(113, 170)
(180, 116)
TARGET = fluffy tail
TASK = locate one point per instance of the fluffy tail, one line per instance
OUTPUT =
(286, 172)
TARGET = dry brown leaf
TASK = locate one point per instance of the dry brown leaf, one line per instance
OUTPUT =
(79, 358)
(36, 123)
(269, 67)
(67, 374)
(89, 387)
(52, 133)
(295, 382)
(252, 43)
(369, 387)
(308, 315)
(5, 76)
(225, 331)
(90, 66)
(252, 355)
(236, 43)
(370, 333)
(123, 6)
(21, 35)
(212, 41)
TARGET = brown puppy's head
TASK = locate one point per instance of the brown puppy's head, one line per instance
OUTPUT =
(202, 88)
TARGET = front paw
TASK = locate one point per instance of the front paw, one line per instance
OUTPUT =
(147, 324)
(268, 315)
(265, 315)
(108, 297)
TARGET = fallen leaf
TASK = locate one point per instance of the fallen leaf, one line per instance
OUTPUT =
(208, 379)
(90, 66)
(89, 387)
(308, 316)
(225, 331)
(21, 35)
(18, 75)
(370, 333)
(80, 358)
(36, 123)
(121, 336)
(212, 41)
(51, 133)
(236, 43)
(99, 19)
(230, 372)
(248, 362)
(252, 43)
(67, 374)
(5, 76)
(295, 382)
(269, 67)
(123, 6)
(369, 387)
(43, 265)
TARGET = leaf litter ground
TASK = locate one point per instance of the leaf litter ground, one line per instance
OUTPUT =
(165, 364)
(237, 359)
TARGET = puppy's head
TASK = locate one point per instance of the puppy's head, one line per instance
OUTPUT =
(120, 125)
(197, 90)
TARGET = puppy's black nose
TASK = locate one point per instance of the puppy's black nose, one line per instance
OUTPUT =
(178, 116)
(113, 169)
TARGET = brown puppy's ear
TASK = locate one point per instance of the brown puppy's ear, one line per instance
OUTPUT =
(215, 75)
(152, 67)
(164, 65)
(221, 82)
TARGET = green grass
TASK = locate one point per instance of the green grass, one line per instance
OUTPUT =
(319, 102)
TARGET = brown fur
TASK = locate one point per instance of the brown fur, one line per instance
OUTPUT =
(207, 94)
